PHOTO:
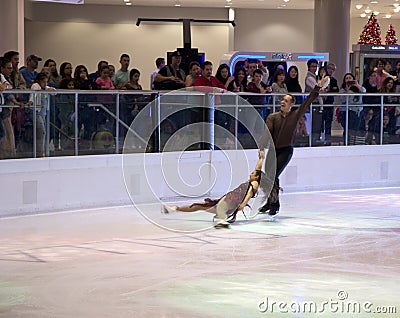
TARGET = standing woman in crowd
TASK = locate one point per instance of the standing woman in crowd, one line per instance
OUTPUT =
(133, 84)
(194, 72)
(55, 78)
(351, 86)
(224, 75)
(239, 83)
(388, 86)
(133, 103)
(66, 70)
(278, 86)
(293, 84)
(87, 115)
(81, 78)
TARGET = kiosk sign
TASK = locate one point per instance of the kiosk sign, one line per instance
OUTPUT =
(282, 56)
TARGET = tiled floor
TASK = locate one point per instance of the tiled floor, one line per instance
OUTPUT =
(328, 254)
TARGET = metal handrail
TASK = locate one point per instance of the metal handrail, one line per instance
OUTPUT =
(235, 102)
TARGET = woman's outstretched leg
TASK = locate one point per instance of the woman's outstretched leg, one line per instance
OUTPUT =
(184, 208)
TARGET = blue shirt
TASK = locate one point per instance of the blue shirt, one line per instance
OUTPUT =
(29, 77)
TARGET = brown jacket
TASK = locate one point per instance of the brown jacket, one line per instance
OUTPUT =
(283, 128)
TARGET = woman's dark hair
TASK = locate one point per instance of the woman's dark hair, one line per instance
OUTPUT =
(319, 72)
(62, 68)
(384, 83)
(192, 64)
(218, 75)
(344, 79)
(133, 72)
(236, 76)
(46, 64)
(288, 72)
(78, 71)
(277, 73)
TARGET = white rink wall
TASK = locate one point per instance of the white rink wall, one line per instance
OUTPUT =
(53, 184)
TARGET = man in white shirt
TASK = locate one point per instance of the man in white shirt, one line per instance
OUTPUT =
(160, 63)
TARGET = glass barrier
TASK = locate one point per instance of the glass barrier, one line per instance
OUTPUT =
(72, 122)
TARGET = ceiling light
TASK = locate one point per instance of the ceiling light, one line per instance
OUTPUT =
(286, 0)
(363, 15)
(395, 5)
(397, 9)
(376, 12)
(388, 16)
(359, 6)
(367, 10)
(374, 2)
(283, 5)
(128, 3)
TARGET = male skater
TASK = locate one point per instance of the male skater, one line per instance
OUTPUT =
(282, 127)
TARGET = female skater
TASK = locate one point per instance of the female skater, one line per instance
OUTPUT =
(226, 207)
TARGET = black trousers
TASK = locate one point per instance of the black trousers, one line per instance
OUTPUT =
(283, 156)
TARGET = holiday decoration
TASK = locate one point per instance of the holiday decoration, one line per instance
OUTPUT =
(391, 36)
(372, 32)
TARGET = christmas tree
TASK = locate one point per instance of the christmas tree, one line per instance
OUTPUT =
(391, 36)
(372, 32)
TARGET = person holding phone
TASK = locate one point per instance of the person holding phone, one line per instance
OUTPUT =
(351, 103)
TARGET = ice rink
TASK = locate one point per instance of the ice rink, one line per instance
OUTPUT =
(329, 254)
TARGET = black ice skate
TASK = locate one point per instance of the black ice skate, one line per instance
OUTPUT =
(264, 209)
(273, 211)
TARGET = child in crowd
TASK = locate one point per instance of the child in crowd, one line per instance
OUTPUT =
(104, 81)
(112, 72)
(321, 74)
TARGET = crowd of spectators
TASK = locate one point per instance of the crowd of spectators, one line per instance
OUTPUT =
(360, 115)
